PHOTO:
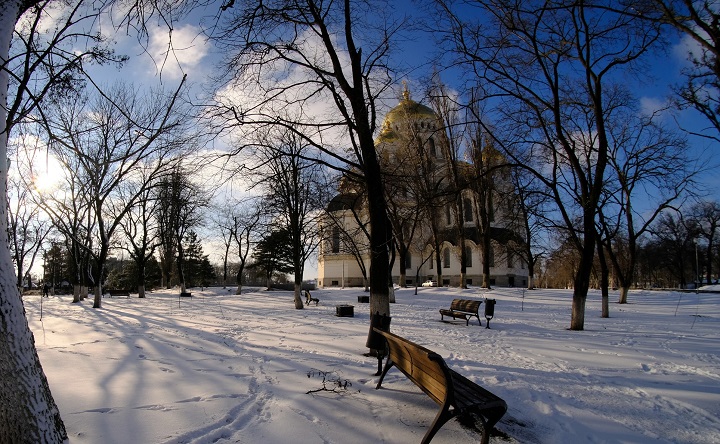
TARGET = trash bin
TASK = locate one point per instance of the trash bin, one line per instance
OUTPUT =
(376, 341)
(489, 310)
(345, 311)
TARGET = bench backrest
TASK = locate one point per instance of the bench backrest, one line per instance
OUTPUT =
(424, 367)
(465, 305)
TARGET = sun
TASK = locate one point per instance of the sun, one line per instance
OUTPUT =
(47, 175)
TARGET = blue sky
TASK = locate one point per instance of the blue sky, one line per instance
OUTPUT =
(197, 57)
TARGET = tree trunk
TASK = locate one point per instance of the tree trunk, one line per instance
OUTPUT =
(297, 297)
(604, 281)
(379, 238)
(141, 291)
(239, 282)
(623, 295)
(577, 321)
(582, 278)
(97, 302)
(76, 293)
(28, 413)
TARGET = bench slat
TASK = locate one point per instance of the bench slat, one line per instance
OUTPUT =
(449, 389)
(419, 368)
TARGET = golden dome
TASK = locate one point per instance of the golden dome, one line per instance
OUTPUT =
(403, 114)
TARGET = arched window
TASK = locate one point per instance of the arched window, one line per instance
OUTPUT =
(446, 258)
(468, 210)
(433, 148)
(335, 247)
(468, 256)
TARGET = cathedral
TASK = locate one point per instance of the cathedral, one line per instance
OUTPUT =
(443, 211)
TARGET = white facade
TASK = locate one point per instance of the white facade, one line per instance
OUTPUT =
(345, 244)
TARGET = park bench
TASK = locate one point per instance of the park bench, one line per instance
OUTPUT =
(116, 292)
(462, 308)
(455, 394)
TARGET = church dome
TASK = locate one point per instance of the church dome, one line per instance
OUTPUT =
(407, 112)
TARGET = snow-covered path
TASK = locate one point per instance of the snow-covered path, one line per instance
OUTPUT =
(225, 368)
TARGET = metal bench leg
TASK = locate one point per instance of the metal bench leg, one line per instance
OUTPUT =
(441, 418)
(388, 365)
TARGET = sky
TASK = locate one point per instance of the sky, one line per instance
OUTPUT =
(197, 57)
(220, 368)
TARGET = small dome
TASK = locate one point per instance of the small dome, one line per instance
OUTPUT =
(341, 202)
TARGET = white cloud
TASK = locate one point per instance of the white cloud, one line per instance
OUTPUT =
(653, 105)
(687, 49)
(178, 52)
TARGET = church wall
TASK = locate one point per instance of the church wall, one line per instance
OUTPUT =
(339, 271)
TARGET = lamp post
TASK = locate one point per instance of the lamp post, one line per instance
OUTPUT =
(697, 268)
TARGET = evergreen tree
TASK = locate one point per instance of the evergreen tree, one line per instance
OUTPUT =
(274, 254)
(198, 270)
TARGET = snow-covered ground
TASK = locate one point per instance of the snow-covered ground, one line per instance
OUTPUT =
(237, 369)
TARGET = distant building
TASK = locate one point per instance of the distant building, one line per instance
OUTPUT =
(424, 207)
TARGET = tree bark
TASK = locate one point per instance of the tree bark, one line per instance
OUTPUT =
(28, 413)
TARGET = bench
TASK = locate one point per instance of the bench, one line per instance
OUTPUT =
(462, 308)
(114, 293)
(455, 394)
(185, 294)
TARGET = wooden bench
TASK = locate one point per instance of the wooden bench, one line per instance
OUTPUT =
(455, 394)
(462, 308)
(114, 293)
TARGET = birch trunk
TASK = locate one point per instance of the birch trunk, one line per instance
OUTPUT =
(28, 413)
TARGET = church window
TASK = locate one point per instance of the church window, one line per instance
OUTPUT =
(335, 248)
(433, 148)
(446, 258)
(468, 210)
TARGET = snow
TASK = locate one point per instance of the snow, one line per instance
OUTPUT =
(225, 368)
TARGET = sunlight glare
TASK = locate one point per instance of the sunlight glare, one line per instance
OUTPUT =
(47, 174)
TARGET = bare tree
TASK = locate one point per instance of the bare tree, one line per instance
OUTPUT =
(181, 201)
(27, 225)
(244, 229)
(700, 22)
(532, 208)
(652, 171)
(138, 227)
(337, 53)
(705, 220)
(339, 235)
(673, 239)
(294, 193)
(411, 160)
(109, 139)
(452, 137)
(554, 65)
(35, 416)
